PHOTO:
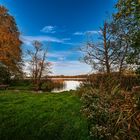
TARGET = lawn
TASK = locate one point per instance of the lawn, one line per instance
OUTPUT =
(42, 116)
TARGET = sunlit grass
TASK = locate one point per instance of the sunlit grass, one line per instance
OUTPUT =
(41, 116)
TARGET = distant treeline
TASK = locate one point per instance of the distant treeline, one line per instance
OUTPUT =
(84, 75)
(65, 76)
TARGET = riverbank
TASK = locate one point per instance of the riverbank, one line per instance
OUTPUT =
(46, 86)
(26, 115)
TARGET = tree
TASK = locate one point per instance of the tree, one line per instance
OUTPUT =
(119, 44)
(38, 64)
(10, 51)
(122, 44)
(5, 75)
(128, 19)
(104, 55)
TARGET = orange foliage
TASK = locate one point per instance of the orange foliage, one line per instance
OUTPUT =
(10, 51)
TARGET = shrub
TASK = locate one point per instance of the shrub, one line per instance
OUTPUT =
(49, 85)
(4, 75)
(113, 115)
(126, 82)
(138, 70)
(129, 81)
(21, 84)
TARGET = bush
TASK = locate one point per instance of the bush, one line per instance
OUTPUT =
(113, 115)
(126, 82)
(138, 70)
(4, 75)
(129, 81)
(21, 84)
(49, 85)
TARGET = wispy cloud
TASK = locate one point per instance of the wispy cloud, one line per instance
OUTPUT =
(70, 68)
(79, 33)
(61, 65)
(64, 68)
(58, 54)
(28, 40)
(93, 32)
(49, 29)
(87, 32)
(63, 55)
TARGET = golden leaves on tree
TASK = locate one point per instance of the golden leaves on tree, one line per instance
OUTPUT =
(10, 51)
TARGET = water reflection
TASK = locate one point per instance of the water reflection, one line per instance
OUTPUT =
(68, 85)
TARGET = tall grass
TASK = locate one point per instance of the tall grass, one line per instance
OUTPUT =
(126, 82)
(113, 113)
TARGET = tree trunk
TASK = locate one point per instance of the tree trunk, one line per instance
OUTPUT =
(106, 49)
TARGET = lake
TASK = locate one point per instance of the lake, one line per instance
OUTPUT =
(69, 85)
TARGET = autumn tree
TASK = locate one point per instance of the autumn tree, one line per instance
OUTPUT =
(10, 51)
(38, 65)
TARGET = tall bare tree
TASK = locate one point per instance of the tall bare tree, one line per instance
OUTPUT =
(109, 54)
(102, 55)
(39, 66)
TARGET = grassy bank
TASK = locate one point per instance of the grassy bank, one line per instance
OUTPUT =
(43, 116)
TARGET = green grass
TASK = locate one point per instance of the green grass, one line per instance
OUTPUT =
(32, 116)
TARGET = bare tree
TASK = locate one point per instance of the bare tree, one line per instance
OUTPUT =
(38, 64)
(108, 54)
(123, 44)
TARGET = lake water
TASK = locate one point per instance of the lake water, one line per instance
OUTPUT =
(68, 85)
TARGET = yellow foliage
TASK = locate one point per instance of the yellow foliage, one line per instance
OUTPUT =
(10, 51)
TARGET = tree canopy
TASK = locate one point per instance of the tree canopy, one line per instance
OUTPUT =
(128, 18)
(10, 50)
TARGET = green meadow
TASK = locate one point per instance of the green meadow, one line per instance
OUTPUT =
(41, 116)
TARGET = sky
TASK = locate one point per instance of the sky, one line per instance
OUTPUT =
(61, 24)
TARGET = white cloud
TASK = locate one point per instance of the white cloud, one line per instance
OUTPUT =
(61, 58)
(28, 40)
(61, 55)
(66, 39)
(70, 68)
(79, 33)
(65, 68)
(87, 32)
(49, 29)
(61, 65)
(93, 32)
(58, 54)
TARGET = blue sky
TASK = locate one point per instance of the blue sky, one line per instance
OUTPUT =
(62, 23)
